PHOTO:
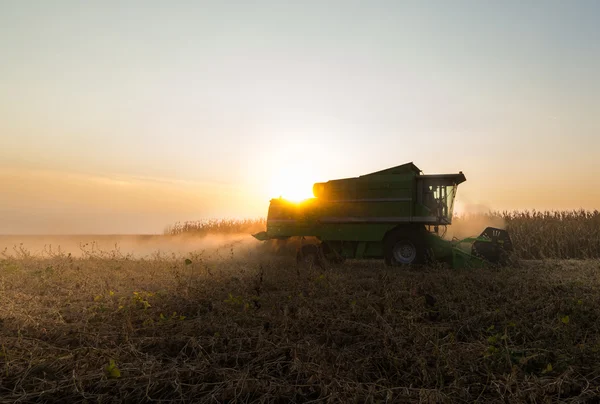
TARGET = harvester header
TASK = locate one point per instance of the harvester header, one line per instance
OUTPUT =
(393, 213)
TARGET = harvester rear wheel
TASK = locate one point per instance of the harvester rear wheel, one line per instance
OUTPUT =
(330, 254)
(404, 248)
(308, 256)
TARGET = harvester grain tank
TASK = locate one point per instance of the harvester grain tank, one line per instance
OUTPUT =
(395, 214)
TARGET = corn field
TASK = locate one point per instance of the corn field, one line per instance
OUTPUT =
(216, 226)
(558, 234)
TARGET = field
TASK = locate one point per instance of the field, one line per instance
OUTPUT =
(216, 316)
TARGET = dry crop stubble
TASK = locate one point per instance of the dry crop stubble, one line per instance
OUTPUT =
(216, 316)
(244, 325)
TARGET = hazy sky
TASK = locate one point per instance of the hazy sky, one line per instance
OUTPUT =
(124, 116)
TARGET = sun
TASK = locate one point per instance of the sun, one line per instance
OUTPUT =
(293, 182)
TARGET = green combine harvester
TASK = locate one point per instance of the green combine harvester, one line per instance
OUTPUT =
(394, 214)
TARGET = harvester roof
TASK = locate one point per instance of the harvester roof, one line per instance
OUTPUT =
(391, 182)
(407, 168)
(410, 168)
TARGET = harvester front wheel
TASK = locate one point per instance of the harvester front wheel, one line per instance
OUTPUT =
(403, 249)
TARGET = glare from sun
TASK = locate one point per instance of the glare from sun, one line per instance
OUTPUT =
(293, 183)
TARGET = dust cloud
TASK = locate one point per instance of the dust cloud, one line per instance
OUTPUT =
(472, 224)
(134, 246)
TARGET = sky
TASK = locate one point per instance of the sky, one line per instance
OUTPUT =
(126, 116)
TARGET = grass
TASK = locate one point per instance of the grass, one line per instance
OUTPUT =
(247, 326)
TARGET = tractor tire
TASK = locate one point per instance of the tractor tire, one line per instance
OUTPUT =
(309, 256)
(403, 248)
(330, 255)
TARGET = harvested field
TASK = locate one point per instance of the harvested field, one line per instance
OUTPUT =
(239, 324)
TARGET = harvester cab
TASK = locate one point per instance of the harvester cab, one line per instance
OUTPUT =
(394, 214)
(436, 193)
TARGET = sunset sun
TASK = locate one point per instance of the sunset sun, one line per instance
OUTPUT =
(293, 183)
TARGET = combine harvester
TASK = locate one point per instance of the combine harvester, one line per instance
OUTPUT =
(394, 214)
